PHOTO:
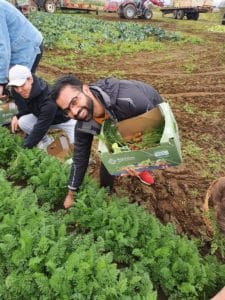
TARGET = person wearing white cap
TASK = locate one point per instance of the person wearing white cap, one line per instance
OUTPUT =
(20, 42)
(40, 113)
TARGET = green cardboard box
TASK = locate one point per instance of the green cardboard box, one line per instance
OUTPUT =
(167, 153)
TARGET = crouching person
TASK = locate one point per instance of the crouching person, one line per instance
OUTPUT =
(41, 112)
(90, 105)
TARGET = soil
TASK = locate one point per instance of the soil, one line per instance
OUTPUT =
(188, 76)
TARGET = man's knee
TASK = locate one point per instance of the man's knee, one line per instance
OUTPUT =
(21, 123)
(25, 123)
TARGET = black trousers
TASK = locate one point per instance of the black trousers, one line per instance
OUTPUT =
(20, 103)
(106, 179)
(37, 59)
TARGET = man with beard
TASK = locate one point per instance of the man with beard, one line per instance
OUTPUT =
(40, 113)
(90, 105)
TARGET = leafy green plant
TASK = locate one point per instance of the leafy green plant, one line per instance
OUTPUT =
(40, 260)
(10, 144)
(78, 33)
(103, 248)
(218, 240)
(191, 149)
(46, 174)
(190, 67)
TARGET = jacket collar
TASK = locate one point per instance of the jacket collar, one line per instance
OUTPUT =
(105, 100)
(38, 86)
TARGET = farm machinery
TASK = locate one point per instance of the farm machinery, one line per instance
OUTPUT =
(130, 9)
(50, 6)
(188, 8)
(26, 6)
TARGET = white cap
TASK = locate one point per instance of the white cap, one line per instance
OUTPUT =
(18, 75)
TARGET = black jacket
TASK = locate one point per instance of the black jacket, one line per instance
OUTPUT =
(44, 108)
(122, 99)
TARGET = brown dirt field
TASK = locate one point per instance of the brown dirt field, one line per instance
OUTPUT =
(178, 193)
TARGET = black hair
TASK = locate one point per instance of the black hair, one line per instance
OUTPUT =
(63, 81)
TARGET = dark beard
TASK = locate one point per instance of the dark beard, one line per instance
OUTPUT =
(89, 108)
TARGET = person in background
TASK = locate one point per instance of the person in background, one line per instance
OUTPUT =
(215, 196)
(20, 43)
(41, 112)
(90, 105)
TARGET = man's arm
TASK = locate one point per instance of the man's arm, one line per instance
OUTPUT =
(5, 50)
(2, 91)
(82, 149)
(45, 119)
(14, 124)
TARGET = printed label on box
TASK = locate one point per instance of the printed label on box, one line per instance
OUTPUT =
(161, 153)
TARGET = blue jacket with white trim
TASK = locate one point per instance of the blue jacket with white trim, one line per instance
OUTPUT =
(19, 40)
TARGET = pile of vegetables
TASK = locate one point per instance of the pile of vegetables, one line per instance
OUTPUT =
(140, 140)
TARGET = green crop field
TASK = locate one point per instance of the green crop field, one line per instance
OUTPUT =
(142, 242)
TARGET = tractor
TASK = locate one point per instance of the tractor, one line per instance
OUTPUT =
(26, 6)
(130, 9)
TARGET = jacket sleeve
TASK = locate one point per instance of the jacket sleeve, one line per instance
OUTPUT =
(45, 119)
(82, 150)
(5, 49)
(143, 96)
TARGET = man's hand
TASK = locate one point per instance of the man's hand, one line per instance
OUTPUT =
(2, 91)
(220, 295)
(14, 124)
(69, 200)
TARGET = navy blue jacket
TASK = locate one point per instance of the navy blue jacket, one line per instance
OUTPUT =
(44, 108)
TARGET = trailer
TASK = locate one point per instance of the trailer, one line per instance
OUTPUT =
(223, 20)
(27, 6)
(86, 6)
(188, 8)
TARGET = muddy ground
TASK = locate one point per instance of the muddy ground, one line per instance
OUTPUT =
(192, 78)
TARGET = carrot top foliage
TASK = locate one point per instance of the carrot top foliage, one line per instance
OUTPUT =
(103, 248)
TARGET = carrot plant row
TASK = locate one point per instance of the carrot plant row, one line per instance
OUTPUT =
(103, 248)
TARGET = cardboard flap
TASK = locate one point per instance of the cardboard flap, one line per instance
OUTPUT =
(60, 147)
(149, 120)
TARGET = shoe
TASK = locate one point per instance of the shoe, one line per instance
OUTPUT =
(146, 177)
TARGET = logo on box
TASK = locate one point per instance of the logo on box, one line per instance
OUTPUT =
(162, 153)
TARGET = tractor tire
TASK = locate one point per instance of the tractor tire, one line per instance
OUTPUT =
(120, 12)
(223, 20)
(129, 11)
(189, 16)
(33, 7)
(148, 14)
(180, 14)
(195, 16)
(50, 6)
(175, 14)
